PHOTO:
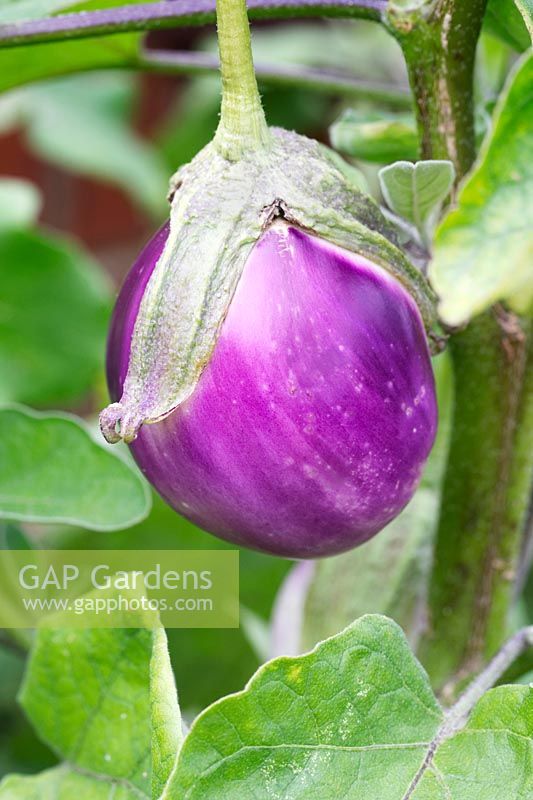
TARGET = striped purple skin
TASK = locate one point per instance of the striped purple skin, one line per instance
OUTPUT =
(310, 425)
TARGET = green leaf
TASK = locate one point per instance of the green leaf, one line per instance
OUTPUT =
(165, 715)
(484, 247)
(64, 783)
(51, 470)
(53, 319)
(355, 719)
(35, 62)
(526, 9)
(375, 137)
(20, 203)
(511, 21)
(351, 719)
(491, 757)
(416, 192)
(83, 123)
(87, 695)
(98, 698)
(195, 651)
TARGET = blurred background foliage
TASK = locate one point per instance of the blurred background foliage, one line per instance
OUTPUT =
(85, 161)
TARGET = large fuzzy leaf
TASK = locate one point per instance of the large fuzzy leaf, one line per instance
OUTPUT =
(511, 21)
(100, 699)
(52, 470)
(53, 318)
(484, 247)
(356, 719)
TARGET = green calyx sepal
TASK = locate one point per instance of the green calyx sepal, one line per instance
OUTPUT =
(220, 208)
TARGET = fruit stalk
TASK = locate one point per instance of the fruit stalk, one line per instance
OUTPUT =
(242, 120)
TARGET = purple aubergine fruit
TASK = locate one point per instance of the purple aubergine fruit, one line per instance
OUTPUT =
(289, 406)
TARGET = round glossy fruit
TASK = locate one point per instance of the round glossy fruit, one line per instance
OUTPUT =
(311, 423)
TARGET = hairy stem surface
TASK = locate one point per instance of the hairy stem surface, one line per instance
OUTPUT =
(242, 120)
(439, 43)
(484, 499)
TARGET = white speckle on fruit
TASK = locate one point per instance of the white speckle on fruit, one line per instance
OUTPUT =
(420, 396)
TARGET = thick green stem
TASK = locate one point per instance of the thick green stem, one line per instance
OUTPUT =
(242, 120)
(487, 480)
(484, 500)
(439, 43)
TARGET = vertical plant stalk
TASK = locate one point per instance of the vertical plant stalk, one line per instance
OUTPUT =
(242, 120)
(487, 481)
(484, 500)
(439, 43)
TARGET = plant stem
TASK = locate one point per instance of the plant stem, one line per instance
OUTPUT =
(439, 43)
(242, 120)
(487, 481)
(170, 14)
(485, 497)
(458, 714)
(329, 81)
